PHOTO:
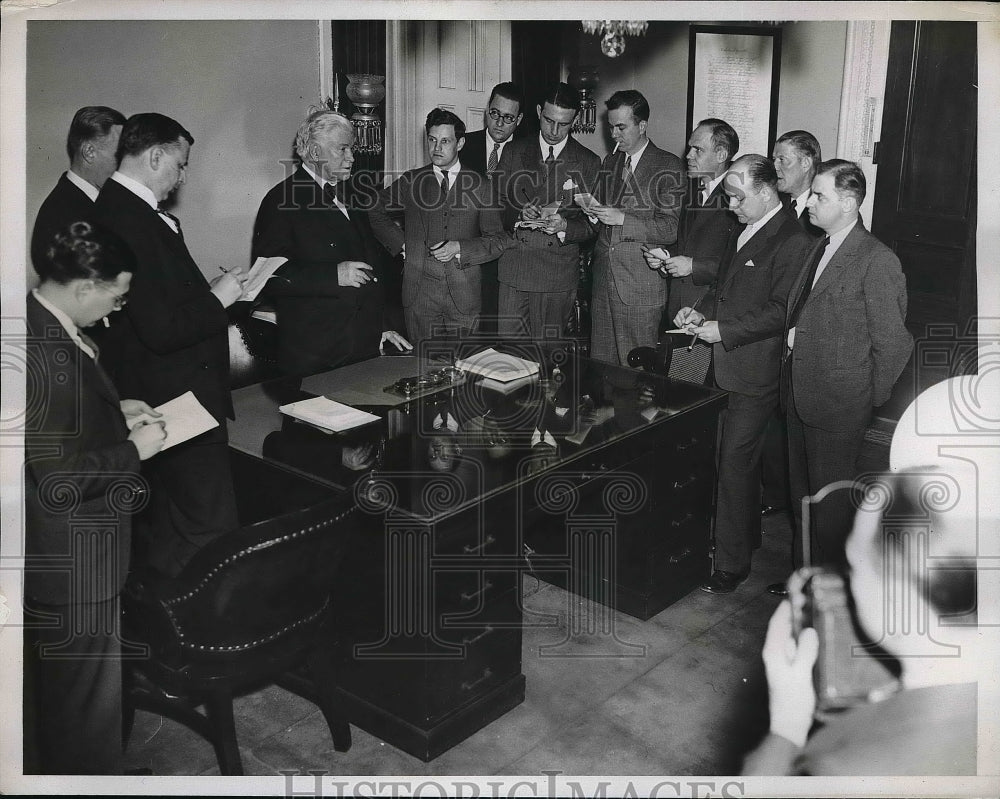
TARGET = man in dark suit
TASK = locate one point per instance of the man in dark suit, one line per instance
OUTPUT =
(847, 344)
(638, 196)
(451, 227)
(705, 220)
(328, 298)
(796, 156)
(172, 339)
(482, 153)
(539, 272)
(78, 446)
(91, 145)
(743, 325)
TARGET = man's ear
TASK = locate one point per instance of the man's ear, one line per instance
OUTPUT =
(460, 144)
(538, 111)
(88, 152)
(155, 155)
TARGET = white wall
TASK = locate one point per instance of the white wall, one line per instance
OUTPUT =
(240, 87)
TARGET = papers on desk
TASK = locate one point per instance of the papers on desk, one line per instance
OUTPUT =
(327, 414)
(183, 419)
(261, 271)
(497, 366)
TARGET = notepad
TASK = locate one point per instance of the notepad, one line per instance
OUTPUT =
(497, 365)
(183, 418)
(263, 269)
(327, 414)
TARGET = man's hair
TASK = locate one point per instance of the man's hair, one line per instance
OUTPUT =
(316, 125)
(631, 98)
(89, 123)
(440, 116)
(142, 131)
(804, 143)
(562, 95)
(760, 170)
(723, 136)
(84, 251)
(913, 505)
(847, 178)
(510, 91)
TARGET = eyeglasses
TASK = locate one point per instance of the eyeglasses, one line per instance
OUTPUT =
(120, 301)
(496, 116)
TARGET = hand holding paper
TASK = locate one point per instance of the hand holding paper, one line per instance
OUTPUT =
(182, 417)
(261, 271)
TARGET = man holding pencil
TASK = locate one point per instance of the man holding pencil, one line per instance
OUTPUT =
(743, 318)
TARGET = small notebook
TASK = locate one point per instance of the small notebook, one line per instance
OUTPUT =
(327, 414)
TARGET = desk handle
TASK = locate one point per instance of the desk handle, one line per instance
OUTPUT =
(681, 522)
(478, 549)
(678, 484)
(689, 445)
(475, 638)
(487, 585)
(684, 554)
(487, 673)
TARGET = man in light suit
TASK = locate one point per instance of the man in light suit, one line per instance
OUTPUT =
(705, 220)
(172, 339)
(482, 153)
(796, 156)
(451, 227)
(743, 325)
(77, 445)
(539, 272)
(91, 146)
(846, 345)
(638, 198)
(328, 298)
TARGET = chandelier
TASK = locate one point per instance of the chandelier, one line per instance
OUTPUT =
(614, 32)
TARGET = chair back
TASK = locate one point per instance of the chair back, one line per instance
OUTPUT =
(252, 352)
(261, 590)
(683, 363)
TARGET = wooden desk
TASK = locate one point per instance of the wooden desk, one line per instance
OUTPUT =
(430, 596)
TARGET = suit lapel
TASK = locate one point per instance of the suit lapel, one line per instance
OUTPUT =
(846, 254)
(756, 244)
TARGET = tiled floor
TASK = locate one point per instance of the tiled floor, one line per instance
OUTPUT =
(682, 693)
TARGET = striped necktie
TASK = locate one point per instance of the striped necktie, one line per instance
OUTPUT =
(491, 166)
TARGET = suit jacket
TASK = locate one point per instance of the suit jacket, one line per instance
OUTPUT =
(703, 235)
(651, 201)
(320, 323)
(172, 336)
(749, 299)
(851, 341)
(65, 204)
(473, 154)
(803, 218)
(537, 261)
(77, 464)
(466, 216)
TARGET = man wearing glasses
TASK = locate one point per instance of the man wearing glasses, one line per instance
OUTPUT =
(481, 154)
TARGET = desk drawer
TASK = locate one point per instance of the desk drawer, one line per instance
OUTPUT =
(468, 592)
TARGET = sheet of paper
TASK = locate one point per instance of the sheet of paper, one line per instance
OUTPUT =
(183, 419)
(260, 273)
(497, 365)
(328, 414)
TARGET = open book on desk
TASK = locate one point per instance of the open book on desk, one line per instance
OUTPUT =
(327, 414)
(497, 365)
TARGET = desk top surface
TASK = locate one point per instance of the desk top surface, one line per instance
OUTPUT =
(456, 438)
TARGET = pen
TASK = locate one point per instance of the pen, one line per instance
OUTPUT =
(223, 270)
(694, 338)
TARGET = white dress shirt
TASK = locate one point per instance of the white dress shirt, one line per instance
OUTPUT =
(708, 188)
(750, 230)
(322, 184)
(85, 186)
(489, 147)
(556, 148)
(452, 173)
(800, 202)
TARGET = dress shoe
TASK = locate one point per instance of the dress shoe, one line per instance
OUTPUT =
(778, 589)
(770, 510)
(723, 582)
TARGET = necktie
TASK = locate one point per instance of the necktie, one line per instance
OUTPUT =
(334, 191)
(172, 218)
(494, 158)
(444, 186)
(703, 194)
(810, 277)
(551, 158)
(628, 165)
(795, 206)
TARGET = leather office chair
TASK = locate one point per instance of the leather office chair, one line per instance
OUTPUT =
(254, 606)
(672, 358)
(253, 345)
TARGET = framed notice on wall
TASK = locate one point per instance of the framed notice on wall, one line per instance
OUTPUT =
(733, 75)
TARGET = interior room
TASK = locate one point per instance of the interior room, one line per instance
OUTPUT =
(673, 684)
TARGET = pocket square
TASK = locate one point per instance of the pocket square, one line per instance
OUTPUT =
(750, 263)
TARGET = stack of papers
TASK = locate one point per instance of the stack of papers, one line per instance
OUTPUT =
(497, 365)
(327, 414)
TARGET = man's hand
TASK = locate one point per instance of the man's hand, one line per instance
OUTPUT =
(148, 438)
(393, 337)
(357, 458)
(607, 215)
(530, 211)
(228, 287)
(689, 317)
(678, 266)
(132, 408)
(354, 274)
(789, 667)
(446, 250)
(652, 261)
(707, 332)
(554, 223)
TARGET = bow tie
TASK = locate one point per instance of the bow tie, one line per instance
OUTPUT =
(335, 190)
